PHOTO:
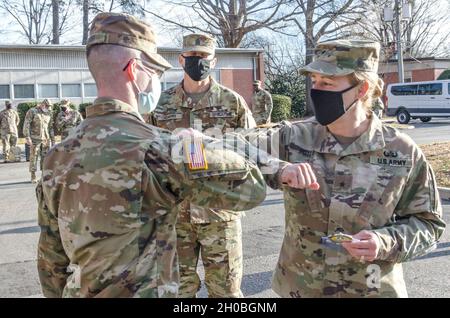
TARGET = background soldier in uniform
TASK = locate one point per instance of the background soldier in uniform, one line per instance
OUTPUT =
(203, 104)
(38, 133)
(378, 107)
(375, 185)
(67, 119)
(9, 121)
(262, 104)
(107, 193)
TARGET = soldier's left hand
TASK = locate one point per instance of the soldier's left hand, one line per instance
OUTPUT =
(365, 247)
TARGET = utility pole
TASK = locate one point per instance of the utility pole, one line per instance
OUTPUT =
(402, 11)
(398, 16)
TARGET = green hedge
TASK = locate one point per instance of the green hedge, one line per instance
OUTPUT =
(445, 75)
(22, 109)
(281, 108)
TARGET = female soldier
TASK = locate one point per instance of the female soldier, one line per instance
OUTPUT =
(375, 185)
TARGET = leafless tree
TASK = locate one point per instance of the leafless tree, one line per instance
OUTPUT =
(96, 6)
(425, 34)
(85, 4)
(283, 57)
(55, 22)
(40, 21)
(230, 20)
(323, 19)
(32, 17)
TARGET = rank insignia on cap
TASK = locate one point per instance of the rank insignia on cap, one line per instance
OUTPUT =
(195, 154)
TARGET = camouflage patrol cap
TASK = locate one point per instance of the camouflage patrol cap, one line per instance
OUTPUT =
(199, 43)
(46, 102)
(7, 102)
(64, 102)
(344, 57)
(125, 30)
(256, 82)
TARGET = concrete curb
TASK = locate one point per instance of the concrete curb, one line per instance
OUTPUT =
(397, 125)
(444, 193)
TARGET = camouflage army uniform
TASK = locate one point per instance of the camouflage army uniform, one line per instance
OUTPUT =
(106, 205)
(67, 120)
(216, 232)
(262, 106)
(381, 182)
(38, 126)
(378, 107)
(9, 120)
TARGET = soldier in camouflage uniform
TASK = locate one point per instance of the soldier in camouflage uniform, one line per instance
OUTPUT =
(378, 107)
(262, 104)
(67, 119)
(9, 120)
(375, 184)
(107, 193)
(203, 104)
(38, 133)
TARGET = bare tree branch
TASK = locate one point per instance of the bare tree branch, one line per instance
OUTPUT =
(232, 20)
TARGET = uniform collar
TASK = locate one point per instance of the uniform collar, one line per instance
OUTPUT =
(106, 105)
(213, 89)
(371, 140)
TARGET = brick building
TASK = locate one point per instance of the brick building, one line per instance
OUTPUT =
(415, 70)
(34, 72)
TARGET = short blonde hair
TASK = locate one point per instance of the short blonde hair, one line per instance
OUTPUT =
(375, 91)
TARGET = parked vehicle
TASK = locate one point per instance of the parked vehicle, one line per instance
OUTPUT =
(423, 100)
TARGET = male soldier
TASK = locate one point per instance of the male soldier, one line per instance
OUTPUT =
(201, 103)
(67, 119)
(9, 120)
(107, 193)
(261, 104)
(38, 133)
(378, 107)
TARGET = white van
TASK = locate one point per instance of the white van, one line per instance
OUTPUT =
(422, 100)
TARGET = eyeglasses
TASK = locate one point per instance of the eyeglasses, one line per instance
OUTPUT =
(152, 68)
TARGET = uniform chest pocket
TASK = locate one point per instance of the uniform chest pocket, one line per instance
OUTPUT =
(45, 120)
(37, 123)
(382, 196)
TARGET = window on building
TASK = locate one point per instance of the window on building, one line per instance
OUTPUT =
(430, 89)
(90, 90)
(71, 90)
(448, 91)
(408, 80)
(4, 92)
(24, 91)
(48, 90)
(402, 90)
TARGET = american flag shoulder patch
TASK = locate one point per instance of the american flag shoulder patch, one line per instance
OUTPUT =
(195, 154)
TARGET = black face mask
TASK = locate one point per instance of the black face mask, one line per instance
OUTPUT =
(63, 109)
(8, 106)
(197, 67)
(328, 105)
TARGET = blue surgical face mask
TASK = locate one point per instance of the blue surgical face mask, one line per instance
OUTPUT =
(147, 101)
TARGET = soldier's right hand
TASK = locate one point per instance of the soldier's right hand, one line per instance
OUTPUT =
(28, 141)
(300, 176)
